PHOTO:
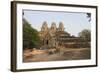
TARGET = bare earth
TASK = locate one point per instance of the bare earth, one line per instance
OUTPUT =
(66, 54)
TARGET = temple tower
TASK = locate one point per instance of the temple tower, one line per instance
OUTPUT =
(61, 27)
(53, 27)
(44, 27)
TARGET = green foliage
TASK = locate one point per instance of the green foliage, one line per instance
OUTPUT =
(86, 33)
(31, 38)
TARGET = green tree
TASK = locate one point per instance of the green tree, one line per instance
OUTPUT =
(31, 38)
(86, 33)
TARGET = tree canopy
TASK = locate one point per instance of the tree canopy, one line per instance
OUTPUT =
(86, 33)
(88, 16)
(31, 37)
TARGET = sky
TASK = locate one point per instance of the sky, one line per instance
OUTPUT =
(74, 22)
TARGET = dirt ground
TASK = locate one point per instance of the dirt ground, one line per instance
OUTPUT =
(65, 54)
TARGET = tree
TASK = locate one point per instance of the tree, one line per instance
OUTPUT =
(31, 38)
(89, 16)
(86, 33)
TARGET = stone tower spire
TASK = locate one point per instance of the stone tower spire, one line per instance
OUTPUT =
(61, 27)
(53, 27)
(44, 26)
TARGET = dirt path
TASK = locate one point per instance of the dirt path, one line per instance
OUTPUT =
(68, 54)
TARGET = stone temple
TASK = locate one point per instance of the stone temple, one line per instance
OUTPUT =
(54, 37)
